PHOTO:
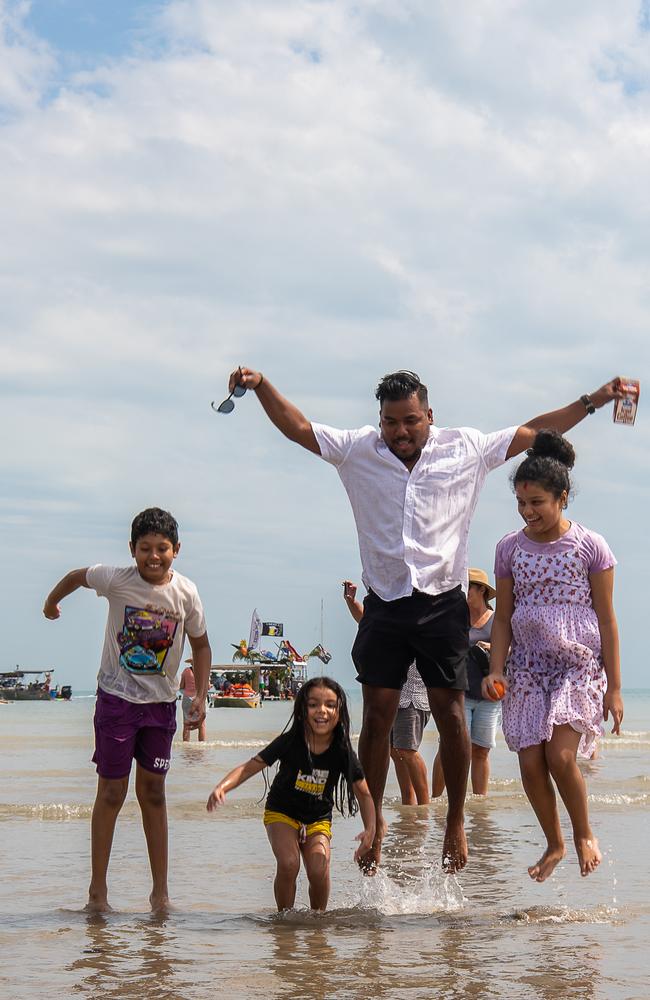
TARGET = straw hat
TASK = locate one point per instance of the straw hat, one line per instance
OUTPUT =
(480, 576)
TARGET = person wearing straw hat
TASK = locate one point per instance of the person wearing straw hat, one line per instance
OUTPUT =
(482, 715)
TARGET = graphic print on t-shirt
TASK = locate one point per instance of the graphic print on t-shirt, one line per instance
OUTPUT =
(314, 783)
(144, 640)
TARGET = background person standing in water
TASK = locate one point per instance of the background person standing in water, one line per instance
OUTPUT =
(412, 717)
(413, 488)
(187, 687)
(482, 714)
(555, 581)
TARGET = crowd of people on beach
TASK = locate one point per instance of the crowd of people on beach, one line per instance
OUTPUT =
(428, 643)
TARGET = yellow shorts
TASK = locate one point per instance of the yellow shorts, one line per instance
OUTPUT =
(321, 825)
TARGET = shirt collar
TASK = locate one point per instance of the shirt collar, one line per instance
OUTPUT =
(385, 452)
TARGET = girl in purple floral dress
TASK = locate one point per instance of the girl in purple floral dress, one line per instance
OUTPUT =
(555, 626)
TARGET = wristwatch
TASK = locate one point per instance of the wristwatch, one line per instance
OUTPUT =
(587, 403)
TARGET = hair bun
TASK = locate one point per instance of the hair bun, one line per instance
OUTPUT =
(551, 444)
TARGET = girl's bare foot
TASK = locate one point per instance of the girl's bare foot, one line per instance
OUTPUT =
(549, 860)
(589, 856)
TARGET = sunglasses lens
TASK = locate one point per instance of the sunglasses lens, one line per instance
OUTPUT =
(226, 407)
(239, 390)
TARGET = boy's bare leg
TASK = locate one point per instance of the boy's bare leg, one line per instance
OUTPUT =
(413, 765)
(541, 795)
(316, 857)
(202, 730)
(448, 710)
(111, 793)
(437, 777)
(286, 849)
(480, 769)
(379, 711)
(150, 791)
(561, 751)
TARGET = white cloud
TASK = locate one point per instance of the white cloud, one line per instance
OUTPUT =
(26, 63)
(328, 190)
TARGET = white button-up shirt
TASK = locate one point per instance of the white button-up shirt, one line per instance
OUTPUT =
(413, 526)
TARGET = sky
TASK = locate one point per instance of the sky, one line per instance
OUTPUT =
(326, 191)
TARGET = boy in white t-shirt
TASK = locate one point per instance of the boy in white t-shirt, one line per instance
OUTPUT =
(151, 609)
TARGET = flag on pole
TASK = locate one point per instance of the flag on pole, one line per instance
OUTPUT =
(272, 628)
(321, 653)
(256, 628)
(287, 650)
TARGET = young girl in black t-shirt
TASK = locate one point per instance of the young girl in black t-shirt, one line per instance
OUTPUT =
(318, 769)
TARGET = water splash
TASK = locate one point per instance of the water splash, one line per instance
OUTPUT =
(432, 892)
(601, 914)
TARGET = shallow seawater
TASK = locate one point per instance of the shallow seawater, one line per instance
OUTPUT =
(410, 932)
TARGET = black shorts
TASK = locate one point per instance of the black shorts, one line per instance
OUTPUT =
(433, 631)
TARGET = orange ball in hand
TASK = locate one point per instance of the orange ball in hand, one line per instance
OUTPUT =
(500, 691)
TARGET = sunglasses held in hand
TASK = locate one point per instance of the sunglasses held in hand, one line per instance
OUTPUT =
(228, 404)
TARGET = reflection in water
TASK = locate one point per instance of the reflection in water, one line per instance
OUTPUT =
(192, 754)
(489, 874)
(331, 960)
(453, 967)
(403, 850)
(560, 971)
(462, 958)
(131, 960)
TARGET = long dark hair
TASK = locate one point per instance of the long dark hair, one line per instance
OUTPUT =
(344, 796)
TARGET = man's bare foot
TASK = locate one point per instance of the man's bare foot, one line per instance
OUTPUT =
(369, 862)
(589, 856)
(549, 860)
(454, 848)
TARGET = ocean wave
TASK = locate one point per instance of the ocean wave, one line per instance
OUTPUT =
(618, 799)
(223, 743)
(60, 811)
(626, 740)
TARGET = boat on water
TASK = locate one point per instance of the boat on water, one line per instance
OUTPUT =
(15, 685)
(261, 673)
(234, 687)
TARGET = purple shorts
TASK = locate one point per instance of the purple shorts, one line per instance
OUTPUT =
(124, 730)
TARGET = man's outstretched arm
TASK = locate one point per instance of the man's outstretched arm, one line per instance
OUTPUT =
(286, 417)
(564, 419)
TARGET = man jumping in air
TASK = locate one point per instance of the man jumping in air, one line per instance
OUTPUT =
(413, 488)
